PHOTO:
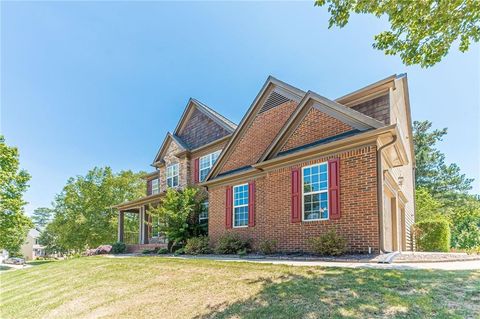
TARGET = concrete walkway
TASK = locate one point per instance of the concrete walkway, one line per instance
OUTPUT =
(452, 265)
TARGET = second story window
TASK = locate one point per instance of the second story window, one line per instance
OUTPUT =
(172, 175)
(155, 186)
(206, 163)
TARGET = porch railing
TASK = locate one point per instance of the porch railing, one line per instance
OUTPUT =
(130, 237)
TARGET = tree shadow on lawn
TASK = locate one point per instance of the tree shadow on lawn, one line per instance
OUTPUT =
(39, 262)
(359, 293)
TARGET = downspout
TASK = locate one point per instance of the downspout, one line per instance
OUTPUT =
(379, 191)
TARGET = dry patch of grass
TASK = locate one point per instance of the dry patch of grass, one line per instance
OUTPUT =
(170, 288)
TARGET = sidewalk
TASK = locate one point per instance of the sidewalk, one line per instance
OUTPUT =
(451, 265)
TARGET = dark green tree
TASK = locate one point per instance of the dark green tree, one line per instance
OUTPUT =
(421, 32)
(41, 216)
(14, 224)
(440, 179)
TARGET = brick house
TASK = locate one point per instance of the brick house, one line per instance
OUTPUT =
(297, 165)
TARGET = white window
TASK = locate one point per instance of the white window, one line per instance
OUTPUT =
(155, 227)
(172, 175)
(240, 205)
(206, 163)
(315, 192)
(155, 186)
(203, 216)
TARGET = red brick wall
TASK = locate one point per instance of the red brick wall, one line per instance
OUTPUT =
(358, 195)
(258, 136)
(315, 126)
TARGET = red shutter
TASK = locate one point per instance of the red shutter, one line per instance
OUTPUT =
(228, 207)
(334, 188)
(196, 177)
(296, 210)
(251, 204)
(149, 187)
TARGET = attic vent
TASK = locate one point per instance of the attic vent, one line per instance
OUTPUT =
(274, 99)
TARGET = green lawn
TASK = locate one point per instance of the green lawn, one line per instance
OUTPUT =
(157, 287)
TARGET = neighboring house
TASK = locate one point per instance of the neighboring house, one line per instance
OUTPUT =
(31, 249)
(297, 165)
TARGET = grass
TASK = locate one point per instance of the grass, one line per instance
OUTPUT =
(174, 288)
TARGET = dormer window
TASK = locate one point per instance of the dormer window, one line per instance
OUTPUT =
(155, 186)
(206, 163)
(172, 175)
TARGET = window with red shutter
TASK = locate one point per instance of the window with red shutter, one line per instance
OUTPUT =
(251, 204)
(334, 187)
(228, 207)
(295, 213)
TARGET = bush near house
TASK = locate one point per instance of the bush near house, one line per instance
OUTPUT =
(267, 246)
(232, 244)
(119, 248)
(197, 245)
(329, 244)
(432, 235)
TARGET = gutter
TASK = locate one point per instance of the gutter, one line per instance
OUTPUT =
(379, 191)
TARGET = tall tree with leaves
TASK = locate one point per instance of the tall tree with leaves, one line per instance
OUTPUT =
(421, 32)
(41, 216)
(440, 179)
(83, 213)
(14, 224)
(178, 214)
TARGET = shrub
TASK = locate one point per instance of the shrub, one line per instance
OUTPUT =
(119, 248)
(197, 245)
(267, 246)
(162, 251)
(242, 252)
(147, 251)
(179, 251)
(329, 244)
(432, 235)
(232, 244)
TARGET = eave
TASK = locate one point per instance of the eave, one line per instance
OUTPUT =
(139, 202)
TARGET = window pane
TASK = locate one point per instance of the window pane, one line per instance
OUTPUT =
(241, 216)
(315, 192)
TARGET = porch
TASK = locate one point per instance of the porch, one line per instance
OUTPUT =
(136, 227)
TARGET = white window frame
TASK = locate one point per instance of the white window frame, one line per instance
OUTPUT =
(210, 163)
(237, 206)
(158, 225)
(200, 218)
(170, 174)
(155, 189)
(312, 193)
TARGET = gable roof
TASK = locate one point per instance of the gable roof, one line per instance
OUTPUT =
(193, 104)
(271, 86)
(166, 142)
(355, 119)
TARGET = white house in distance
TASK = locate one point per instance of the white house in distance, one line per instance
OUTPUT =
(31, 249)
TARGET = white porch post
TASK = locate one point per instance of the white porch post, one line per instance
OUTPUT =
(141, 218)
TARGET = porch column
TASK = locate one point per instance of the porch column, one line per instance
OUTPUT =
(140, 225)
(121, 216)
(145, 225)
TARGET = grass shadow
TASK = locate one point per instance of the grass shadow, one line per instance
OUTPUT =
(39, 262)
(354, 293)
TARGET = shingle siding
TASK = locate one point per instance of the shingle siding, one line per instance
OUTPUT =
(201, 130)
(378, 108)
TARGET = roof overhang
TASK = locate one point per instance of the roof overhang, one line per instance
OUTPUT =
(134, 204)
(369, 92)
